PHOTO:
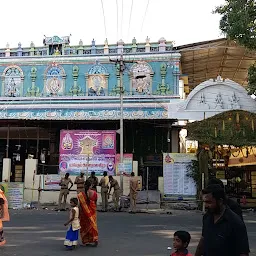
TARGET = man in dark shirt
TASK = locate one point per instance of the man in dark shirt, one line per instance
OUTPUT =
(233, 205)
(224, 233)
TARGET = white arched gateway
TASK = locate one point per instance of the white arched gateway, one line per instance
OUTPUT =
(210, 98)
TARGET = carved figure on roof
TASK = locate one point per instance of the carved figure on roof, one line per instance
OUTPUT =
(219, 79)
(91, 92)
(97, 80)
(106, 42)
(234, 102)
(141, 78)
(93, 42)
(134, 41)
(54, 80)
(13, 81)
(219, 101)
(80, 42)
(56, 51)
(203, 103)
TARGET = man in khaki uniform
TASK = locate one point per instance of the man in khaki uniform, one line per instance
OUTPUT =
(104, 191)
(79, 181)
(133, 192)
(64, 191)
(94, 181)
(116, 194)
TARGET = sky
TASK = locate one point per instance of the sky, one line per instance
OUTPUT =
(181, 21)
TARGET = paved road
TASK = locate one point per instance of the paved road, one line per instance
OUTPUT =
(41, 233)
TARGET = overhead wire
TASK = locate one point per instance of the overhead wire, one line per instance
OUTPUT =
(130, 19)
(122, 19)
(145, 14)
(104, 18)
(117, 21)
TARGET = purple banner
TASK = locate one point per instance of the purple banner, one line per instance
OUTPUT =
(87, 151)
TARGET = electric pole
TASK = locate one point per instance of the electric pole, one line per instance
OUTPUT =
(121, 64)
(122, 67)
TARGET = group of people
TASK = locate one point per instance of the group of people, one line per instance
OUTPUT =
(83, 218)
(224, 232)
(107, 184)
(83, 210)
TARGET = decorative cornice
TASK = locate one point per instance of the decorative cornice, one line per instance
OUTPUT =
(81, 114)
(63, 59)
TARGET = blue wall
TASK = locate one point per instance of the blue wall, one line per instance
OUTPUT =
(83, 69)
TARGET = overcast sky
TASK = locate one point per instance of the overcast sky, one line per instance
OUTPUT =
(183, 21)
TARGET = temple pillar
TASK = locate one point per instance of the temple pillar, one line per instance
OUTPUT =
(29, 179)
(6, 172)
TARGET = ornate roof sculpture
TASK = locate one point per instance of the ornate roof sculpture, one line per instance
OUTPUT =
(213, 97)
(56, 40)
(64, 48)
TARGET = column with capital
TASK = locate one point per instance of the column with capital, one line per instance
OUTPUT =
(176, 76)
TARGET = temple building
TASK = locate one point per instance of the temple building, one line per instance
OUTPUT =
(58, 86)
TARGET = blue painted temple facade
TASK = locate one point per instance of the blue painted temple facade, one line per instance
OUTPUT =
(59, 86)
(62, 82)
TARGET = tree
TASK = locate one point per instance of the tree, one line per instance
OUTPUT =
(238, 22)
(252, 80)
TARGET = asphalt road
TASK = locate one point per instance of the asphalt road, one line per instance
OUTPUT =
(41, 233)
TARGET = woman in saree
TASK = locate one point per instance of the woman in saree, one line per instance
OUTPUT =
(88, 216)
(4, 214)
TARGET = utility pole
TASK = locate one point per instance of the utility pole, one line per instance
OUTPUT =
(121, 64)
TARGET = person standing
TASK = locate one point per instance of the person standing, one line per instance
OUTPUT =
(104, 191)
(133, 192)
(79, 181)
(224, 233)
(233, 205)
(64, 191)
(88, 216)
(94, 181)
(116, 194)
(4, 215)
(72, 234)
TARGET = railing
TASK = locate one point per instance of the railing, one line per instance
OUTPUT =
(75, 50)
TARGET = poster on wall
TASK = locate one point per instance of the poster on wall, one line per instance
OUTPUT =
(127, 164)
(51, 182)
(82, 151)
(15, 194)
(176, 182)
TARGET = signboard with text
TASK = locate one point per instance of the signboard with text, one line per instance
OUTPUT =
(81, 149)
(126, 167)
(176, 181)
(14, 191)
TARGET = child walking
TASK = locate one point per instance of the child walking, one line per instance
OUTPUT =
(72, 235)
(181, 240)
